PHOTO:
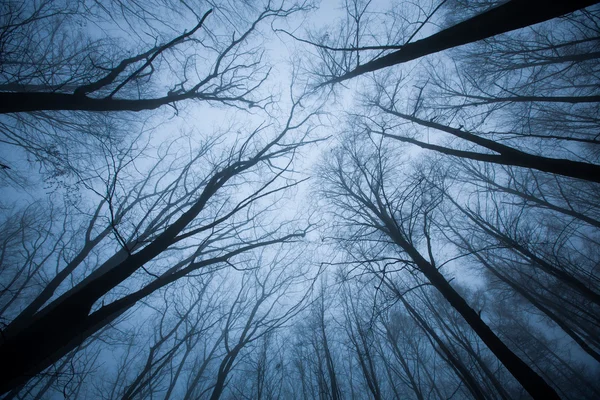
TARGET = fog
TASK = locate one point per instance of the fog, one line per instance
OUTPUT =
(299, 200)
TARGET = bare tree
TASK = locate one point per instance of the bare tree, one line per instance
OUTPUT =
(372, 204)
(506, 17)
(555, 274)
(70, 69)
(259, 309)
(73, 79)
(172, 344)
(361, 336)
(200, 219)
(316, 356)
(504, 154)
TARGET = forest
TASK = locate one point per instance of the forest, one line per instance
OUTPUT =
(299, 199)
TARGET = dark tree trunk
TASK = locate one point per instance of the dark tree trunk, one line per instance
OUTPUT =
(12, 102)
(527, 377)
(507, 155)
(507, 17)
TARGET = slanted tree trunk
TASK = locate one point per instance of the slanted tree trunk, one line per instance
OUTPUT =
(514, 14)
(506, 154)
(535, 385)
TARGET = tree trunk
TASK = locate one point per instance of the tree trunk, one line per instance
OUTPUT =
(527, 377)
(507, 155)
(507, 17)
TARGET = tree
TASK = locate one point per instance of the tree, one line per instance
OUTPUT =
(512, 15)
(360, 334)
(357, 184)
(257, 311)
(203, 341)
(553, 279)
(453, 225)
(198, 215)
(315, 357)
(73, 79)
(506, 155)
(195, 321)
(513, 120)
(87, 65)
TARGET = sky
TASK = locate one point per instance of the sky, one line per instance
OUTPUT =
(194, 122)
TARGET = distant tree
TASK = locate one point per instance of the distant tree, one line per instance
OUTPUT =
(257, 312)
(173, 342)
(537, 260)
(316, 354)
(360, 333)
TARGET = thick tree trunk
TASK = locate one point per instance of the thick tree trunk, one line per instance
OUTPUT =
(67, 322)
(507, 17)
(13, 102)
(527, 377)
(507, 155)
(48, 291)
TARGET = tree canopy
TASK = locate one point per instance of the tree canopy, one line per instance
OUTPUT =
(288, 199)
